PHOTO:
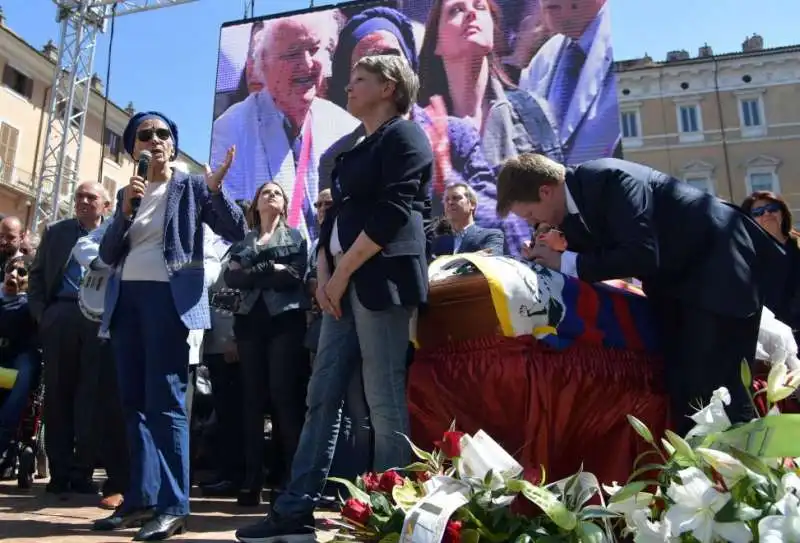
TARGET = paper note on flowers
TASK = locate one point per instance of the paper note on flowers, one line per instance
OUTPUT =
(527, 301)
(426, 522)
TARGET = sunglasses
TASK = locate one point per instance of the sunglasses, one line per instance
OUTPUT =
(22, 272)
(323, 204)
(769, 208)
(147, 134)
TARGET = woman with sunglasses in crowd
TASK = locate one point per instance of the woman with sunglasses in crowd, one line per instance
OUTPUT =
(770, 211)
(156, 297)
(18, 347)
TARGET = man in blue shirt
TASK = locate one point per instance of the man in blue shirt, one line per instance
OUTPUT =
(82, 410)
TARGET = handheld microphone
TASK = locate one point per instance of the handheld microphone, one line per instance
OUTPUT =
(141, 171)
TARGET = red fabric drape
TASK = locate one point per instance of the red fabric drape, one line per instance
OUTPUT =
(546, 407)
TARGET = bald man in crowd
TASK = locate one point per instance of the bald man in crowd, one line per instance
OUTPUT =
(12, 239)
(82, 410)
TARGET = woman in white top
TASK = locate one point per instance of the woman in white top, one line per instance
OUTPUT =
(155, 298)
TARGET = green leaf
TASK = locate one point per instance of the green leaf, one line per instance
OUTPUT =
(747, 376)
(406, 495)
(644, 469)
(470, 536)
(628, 491)
(641, 429)
(595, 511)
(549, 504)
(354, 491)
(589, 532)
(487, 479)
(524, 538)
(736, 511)
(417, 467)
(682, 448)
(391, 538)
(380, 504)
(422, 455)
(753, 463)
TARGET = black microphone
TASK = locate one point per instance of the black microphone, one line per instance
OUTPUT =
(141, 171)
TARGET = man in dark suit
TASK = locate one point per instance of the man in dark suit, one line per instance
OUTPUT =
(82, 409)
(703, 263)
(460, 202)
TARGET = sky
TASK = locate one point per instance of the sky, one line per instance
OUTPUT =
(166, 59)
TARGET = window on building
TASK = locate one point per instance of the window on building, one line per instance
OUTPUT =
(701, 182)
(111, 187)
(751, 112)
(18, 82)
(68, 175)
(689, 116)
(630, 124)
(762, 181)
(9, 140)
(112, 149)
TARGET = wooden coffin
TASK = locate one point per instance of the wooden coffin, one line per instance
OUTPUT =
(459, 308)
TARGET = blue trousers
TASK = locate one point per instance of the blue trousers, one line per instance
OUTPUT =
(16, 400)
(149, 341)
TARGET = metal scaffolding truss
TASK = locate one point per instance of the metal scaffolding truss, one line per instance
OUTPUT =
(81, 21)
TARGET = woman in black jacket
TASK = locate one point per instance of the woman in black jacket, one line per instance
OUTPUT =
(372, 275)
(268, 268)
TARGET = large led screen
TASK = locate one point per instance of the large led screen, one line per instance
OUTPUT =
(497, 78)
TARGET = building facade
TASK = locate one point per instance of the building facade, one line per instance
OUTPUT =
(729, 124)
(27, 75)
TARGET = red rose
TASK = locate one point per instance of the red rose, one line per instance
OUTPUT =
(452, 534)
(423, 476)
(371, 482)
(451, 444)
(389, 480)
(356, 512)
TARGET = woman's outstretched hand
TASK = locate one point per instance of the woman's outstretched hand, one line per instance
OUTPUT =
(214, 178)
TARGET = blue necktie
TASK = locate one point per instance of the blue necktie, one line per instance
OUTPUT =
(568, 71)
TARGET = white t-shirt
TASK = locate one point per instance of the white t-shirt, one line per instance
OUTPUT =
(145, 260)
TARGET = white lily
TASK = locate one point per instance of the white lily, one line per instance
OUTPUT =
(788, 493)
(781, 383)
(712, 418)
(731, 469)
(696, 502)
(781, 528)
(631, 504)
(649, 531)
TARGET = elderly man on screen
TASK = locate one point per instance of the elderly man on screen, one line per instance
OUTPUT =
(281, 132)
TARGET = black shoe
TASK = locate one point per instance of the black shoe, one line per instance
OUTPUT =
(249, 498)
(162, 527)
(220, 489)
(277, 529)
(84, 486)
(57, 486)
(123, 519)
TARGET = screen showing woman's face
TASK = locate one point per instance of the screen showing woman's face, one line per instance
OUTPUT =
(466, 28)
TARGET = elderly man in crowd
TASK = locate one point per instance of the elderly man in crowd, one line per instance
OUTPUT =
(81, 410)
(12, 239)
(281, 131)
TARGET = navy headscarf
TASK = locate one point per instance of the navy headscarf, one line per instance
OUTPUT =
(357, 28)
(129, 136)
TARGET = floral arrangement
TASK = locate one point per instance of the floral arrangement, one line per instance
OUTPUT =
(718, 483)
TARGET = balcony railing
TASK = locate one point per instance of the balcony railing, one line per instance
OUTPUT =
(18, 179)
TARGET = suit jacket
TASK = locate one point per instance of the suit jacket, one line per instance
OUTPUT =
(680, 241)
(50, 263)
(475, 239)
(590, 128)
(189, 205)
(381, 187)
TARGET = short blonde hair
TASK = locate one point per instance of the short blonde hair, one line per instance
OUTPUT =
(394, 68)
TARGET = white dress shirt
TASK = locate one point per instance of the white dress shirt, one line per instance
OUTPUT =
(569, 259)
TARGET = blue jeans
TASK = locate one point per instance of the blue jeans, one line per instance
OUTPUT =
(354, 445)
(149, 341)
(17, 398)
(382, 339)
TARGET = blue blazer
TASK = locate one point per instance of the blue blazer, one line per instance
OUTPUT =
(189, 205)
(475, 239)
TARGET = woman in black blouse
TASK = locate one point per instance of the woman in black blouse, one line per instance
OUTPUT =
(268, 267)
(371, 275)
(770, 211)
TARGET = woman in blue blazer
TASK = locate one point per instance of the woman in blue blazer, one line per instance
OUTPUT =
(155, 297)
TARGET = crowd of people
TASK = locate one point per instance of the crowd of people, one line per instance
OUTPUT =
(300, 303)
